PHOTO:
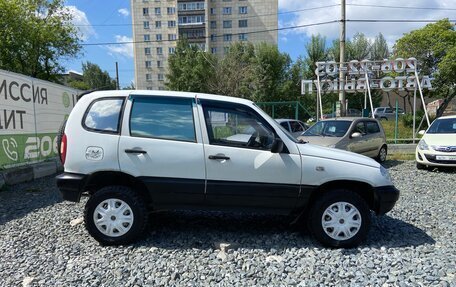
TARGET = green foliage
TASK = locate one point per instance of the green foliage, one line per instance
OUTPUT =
(358, 48)
(93, 78)
(379, 49)
(35, 36)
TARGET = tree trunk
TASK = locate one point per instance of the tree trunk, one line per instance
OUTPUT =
(445, 104)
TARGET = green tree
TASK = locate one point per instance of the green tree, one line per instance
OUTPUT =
(35, 36)
(379, 49)
(358, 48)
(434, 46)
(190, 69)
(94, 78)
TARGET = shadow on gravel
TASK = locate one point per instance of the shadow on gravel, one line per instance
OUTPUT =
(392, 163)
(204, 230)
(19, 200)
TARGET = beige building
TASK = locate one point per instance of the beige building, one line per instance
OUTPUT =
(211, 24)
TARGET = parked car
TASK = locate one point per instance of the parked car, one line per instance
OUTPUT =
(295, 127)
(350, 113)
(132, 152)
(437, 147)
(386, 113)
(361, 135)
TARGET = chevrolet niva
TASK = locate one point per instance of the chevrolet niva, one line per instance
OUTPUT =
(133, 152)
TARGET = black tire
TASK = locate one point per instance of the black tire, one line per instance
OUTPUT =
(345, 197)
(136, 205)
(382, 153)
(421, 166)
(59, 137)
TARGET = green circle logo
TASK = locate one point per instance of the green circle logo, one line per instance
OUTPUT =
(66, 100)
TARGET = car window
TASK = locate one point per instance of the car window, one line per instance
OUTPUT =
(372, 127)
(443, 126)
(104, 115)
(296, 127)
(237, 127)
(285, 125)
(328, 128)
(388, 110)
(360, 128)
(162, 118)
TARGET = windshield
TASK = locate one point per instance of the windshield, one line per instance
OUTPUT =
(443, 126)
(328, 129)
(277, 125)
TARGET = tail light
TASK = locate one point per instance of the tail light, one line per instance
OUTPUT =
(63, 149)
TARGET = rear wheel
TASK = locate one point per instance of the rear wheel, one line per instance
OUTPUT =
(115, 215)
(339, 218)
(382, 153)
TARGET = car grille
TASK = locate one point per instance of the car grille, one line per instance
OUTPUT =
(431, 158)
(443, 148)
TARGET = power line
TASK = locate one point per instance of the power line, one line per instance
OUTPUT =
(237, 18)
(402, 7)
(216, 36)
(395, 21)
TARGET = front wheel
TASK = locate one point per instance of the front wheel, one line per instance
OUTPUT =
(115, 215)
(340, 219)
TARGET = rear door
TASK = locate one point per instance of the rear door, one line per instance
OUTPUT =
(246, 174)
(161, 144)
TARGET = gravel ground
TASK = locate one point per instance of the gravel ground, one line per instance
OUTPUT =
(414, 245)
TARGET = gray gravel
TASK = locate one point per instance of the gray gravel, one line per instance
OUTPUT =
(414, 245)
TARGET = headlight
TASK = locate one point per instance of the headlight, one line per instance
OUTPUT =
(385, 173)
(422, 145)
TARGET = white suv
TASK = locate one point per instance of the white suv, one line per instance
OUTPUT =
(137, 151)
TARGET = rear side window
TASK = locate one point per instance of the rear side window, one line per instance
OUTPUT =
(296, 127)
(372, 127)
(163, 118)
(285, 125)
(104, 115)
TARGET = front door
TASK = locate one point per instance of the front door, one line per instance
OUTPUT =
(242, 172)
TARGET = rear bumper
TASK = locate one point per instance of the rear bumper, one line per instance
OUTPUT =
(71, 185)
(385, 198)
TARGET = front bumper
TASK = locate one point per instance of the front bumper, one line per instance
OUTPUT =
(71, 185)
(385, 198)
(430, 158)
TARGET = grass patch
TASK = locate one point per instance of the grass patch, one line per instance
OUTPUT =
(401, 156)
(403, 132)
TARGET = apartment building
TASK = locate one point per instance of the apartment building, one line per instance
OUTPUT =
(211, 24)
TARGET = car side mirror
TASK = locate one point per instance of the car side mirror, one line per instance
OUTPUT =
(421, 133)
(277, 145)
(356, 135)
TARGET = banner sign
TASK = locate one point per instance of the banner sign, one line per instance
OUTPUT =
(31, 112)
(386, 75)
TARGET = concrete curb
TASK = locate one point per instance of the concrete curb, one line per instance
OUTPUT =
(401, 148)
(30, 172)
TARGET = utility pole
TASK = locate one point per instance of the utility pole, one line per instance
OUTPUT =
(117, 76)
(342, 58)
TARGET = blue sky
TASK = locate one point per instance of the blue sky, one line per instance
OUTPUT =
(110, 21)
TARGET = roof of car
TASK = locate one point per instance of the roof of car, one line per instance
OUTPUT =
(448, 117)
(347, 119)
(285, 120)
(125, 93)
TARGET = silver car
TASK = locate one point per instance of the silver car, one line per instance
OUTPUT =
(294, 127)
(361, 135)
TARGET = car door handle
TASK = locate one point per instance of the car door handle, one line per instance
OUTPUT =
(219, 156)
(135, 151)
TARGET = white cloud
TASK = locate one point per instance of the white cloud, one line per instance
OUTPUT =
(391, 31)
(124, 12)
(123, 50)
(82, 23)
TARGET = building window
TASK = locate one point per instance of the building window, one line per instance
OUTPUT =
(146, 38)
(213, 24)
(243, 24)
(171, 10)
(172, 37)
(171, 23)
(227, 37)
(157, 11)
(213, 50)
(213, 37)
(158, 37)
(159, 51)
(158, 24)
(243, 37)
(171, 50)
(185, 20)
(161, 77)
(149, 88)
(159, 64)
(226, 10)
(147, 51)
(145, 11)
(213, 11)
(243, 10)
(227, 24)
(146, 24)
(148, 64)
(148, 77)
(191, 6)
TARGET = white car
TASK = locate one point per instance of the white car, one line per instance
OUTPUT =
(136, 151)
(437, 147)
